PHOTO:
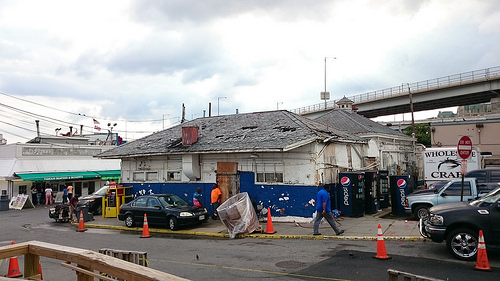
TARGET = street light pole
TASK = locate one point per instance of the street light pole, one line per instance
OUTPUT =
(218, 100)
(326, 95)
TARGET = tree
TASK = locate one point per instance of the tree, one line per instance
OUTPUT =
(422, 133)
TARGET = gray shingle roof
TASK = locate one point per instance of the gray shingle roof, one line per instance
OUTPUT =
(349, 121)
(248, 132)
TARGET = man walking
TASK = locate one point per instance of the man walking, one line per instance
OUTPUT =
(323, 210)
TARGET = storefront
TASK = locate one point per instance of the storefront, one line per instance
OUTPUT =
(84, 182)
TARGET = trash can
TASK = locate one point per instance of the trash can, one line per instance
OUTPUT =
(86, 215)
(4, 202)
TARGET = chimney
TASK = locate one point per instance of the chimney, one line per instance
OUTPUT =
(189, 135)
(37, 128)
(209, 109)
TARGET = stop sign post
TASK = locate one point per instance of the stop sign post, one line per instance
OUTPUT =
(464, 148)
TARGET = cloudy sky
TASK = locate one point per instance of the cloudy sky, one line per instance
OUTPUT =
(135, 63)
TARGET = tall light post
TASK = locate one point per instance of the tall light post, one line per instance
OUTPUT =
(218, 100)
(110, 130)
(326, 95)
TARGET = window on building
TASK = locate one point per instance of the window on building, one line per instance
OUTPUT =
(90, 187)
(151, 176)
(23, 189)
(173, 175)
(269, 173)
(138, 176)
(145, 176)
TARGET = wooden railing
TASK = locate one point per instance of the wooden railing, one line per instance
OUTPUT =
(87, 264)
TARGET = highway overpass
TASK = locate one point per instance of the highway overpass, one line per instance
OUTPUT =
(466, 88)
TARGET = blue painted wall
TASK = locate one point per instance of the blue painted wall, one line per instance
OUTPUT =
(283, 200)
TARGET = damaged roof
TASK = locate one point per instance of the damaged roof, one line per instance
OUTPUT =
(354, 123)
(278, 130)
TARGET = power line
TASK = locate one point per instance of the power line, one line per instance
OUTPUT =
(20, 115)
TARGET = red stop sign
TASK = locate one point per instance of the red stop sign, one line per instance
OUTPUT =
(464, 147)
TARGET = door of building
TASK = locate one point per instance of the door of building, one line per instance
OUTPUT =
(227, 178)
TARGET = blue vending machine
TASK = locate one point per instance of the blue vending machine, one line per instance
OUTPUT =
(370, 193)
(350, 194)
(383, 188)
(399, 189)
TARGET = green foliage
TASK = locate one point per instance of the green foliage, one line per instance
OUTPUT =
(422, 133)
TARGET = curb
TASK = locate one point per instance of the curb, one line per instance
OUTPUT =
(251, 235)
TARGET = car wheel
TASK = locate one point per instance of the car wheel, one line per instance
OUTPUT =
(129, 221)
(462, 244)
(172, 223)
(421, 211)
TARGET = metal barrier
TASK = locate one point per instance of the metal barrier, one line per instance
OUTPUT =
(396, 275)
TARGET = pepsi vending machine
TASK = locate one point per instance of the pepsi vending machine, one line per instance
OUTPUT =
(399, 190)
(350, 194)
(370, 185)
(383, 188)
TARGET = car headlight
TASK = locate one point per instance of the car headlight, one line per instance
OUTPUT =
(186, 214)
(436, 219)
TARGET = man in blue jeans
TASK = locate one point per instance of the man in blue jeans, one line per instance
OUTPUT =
(323, 210)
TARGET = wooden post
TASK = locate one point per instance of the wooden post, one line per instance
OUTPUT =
(31, 266)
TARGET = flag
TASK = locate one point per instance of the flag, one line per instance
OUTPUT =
(96, 125)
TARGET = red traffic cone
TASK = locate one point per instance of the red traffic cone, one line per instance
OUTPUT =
(14, 267)
(482, 258)
(145, 228)
(81, 224)
(381, 252)
(269, 227)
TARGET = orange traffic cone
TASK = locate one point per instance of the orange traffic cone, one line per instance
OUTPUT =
(14, 267)
(40, 270)
(145, 228)
(482, 258)
(381, 252)
(81, 224)
(269, 228)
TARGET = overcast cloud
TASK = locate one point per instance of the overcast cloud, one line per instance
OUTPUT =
(130, 61)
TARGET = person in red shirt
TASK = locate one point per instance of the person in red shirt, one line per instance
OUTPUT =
(216, 199)
(73, 202)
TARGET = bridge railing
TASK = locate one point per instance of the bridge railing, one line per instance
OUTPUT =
(426, 85)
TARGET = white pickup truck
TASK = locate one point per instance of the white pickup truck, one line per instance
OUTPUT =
(418, 203)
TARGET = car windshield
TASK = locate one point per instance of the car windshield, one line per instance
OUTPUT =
(172, 200)
(488, 199)
(101, 191)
